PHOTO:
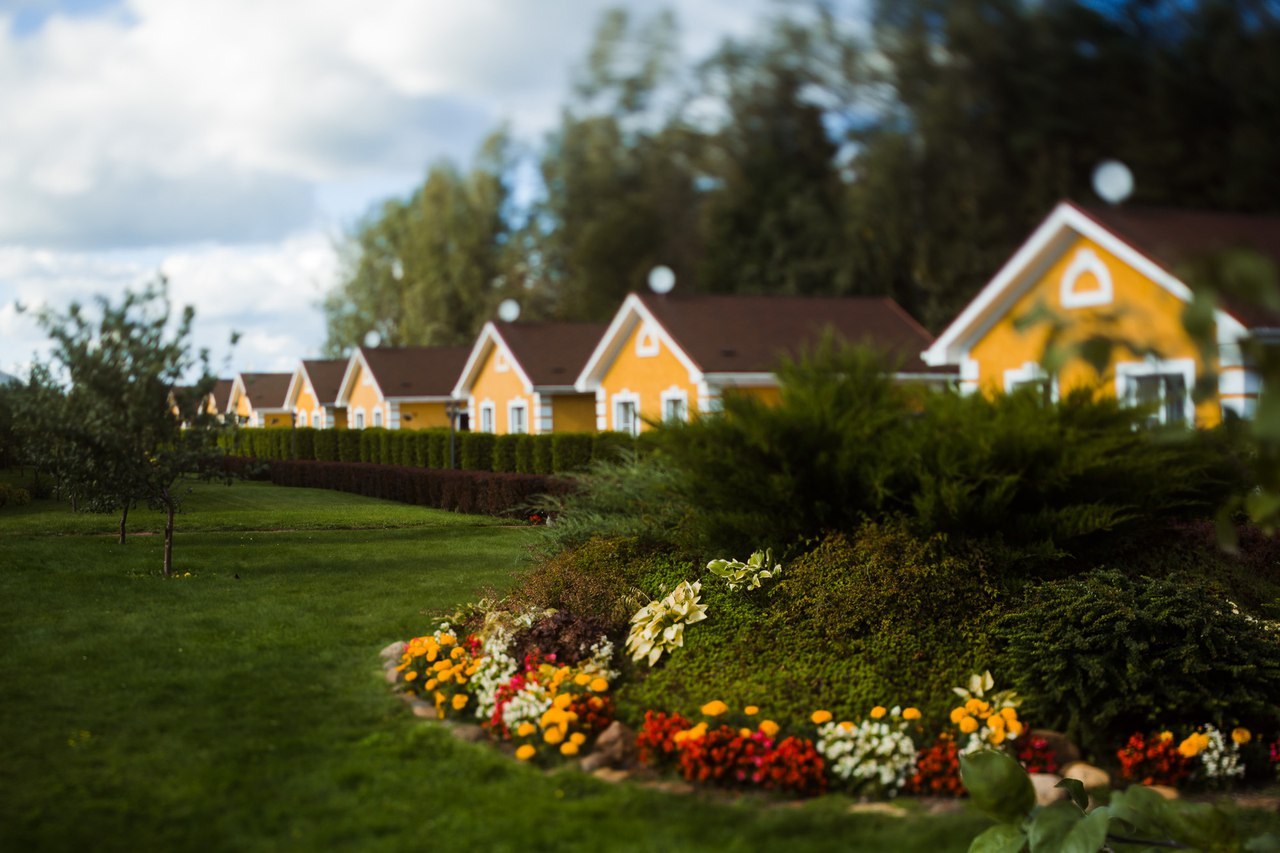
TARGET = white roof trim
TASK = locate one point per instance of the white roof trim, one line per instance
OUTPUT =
(291, 396)
(237, 391)
(489, 337)
(349, 377)
(631, 313)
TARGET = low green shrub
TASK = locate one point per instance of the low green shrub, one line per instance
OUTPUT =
(570, 451)
(349, 445)
(438, 448)
(504, 452)
(542, 454)
(325, 445)
(304, 443)
(475, 451)
(524, 453)
(11, 495)
(611, 446)
(1103, 655)
(370, 444)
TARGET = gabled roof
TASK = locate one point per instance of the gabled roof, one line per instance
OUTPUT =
(418, 373)
(221, 394)
(1155, 242)
(264, 390)
(742, 334)
(323, 375)
(546, 356)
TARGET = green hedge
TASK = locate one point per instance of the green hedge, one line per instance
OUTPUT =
(504, 452)
(476, 451)
(570, 451)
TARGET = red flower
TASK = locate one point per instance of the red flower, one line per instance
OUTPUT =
(1153, 760)
(937, 770)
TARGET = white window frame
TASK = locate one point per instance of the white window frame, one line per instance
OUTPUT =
(1084, 262)
(620, 399)
(675, 395)
(377, 417)
(518, 405)
(647, 345)
(488, 413)
(316, 420)
(1126, 371)
(1030, 373)
(358, 418)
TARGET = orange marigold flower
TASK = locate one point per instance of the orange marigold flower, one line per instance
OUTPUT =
(525, 752)
(526, 728)
(714, 708)
(598, 685)
(460, 701)
(878, 711)
(769, 727)
(1241, 735)
(568, 748)
(820, 717)
(751, 710)
(968, 725)
(553, 736)
(958, 714)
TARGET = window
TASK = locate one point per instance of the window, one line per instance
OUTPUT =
(359, 418)
(1031, 375)
(1162, 386)
(517, 418)
(302, 419)
(377, 417)
(316, 420)
(486, 417)
(675, 405)
(624, 417)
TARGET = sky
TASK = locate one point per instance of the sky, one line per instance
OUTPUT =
(229, 144)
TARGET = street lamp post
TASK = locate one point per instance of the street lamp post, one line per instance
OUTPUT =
(452, 408)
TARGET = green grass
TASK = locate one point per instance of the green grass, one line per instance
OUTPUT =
(213, 712)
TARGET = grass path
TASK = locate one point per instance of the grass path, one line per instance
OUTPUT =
(215, 713)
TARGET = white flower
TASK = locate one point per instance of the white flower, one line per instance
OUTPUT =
(1221, 758)
(873, 753)
(659, 626)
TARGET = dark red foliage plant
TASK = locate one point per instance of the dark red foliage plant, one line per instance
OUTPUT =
(937, 770)
(1037, 755)
(656, 739)
(1152, 760)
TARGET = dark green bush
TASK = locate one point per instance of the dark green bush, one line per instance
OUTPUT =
(542, 456)
(1103, 655)
(475, 451)
(371, 444)
(504, 452)
(385, 453)
(325, 445)
(305, 443)
(524, 454)
(570, 451)
(349, 445)
(421, 450)
(438, 448)
(610, 446)
(11, 495)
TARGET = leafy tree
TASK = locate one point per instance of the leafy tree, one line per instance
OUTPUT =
(116, 421)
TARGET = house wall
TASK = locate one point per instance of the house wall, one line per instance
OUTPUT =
(277, 419)
(335, 417)
(646, 376)
(498, 382)
(243, 411)
(365, 397)
(423, 415)
(770, 395)
(307, 404)
(573, 412)
(1139, 312)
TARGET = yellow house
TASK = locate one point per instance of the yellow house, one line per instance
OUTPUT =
(258, 399)
(668, 357)
(400, 387)
(519, 378)
(1113, 272)
(313, 393)
(219, 397)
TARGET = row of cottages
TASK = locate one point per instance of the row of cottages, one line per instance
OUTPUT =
(1118, 273)
(662, 358)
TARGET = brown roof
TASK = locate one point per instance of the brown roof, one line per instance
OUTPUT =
(326, 377)
(267, 390)
(222, 393)
(416, 371)
(748, 334)
(551, 353)
(1172, 238)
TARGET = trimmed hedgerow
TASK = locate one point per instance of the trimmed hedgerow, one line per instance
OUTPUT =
(475, 451)
(1103, 655)
(524, 453)
(570, 451)
(504, 452)
(349, 445)
(542, 454)
(325, 445)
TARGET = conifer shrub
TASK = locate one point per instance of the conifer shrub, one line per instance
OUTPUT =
(304, 443)
(611, 446)
(1102, 655)
(438, 448)
(504, 452)
(524, 453)
(543, 461)
(349, 445)
(385, 454)
(370, 444)
(325, 445)
(475, 451)
(570, 451)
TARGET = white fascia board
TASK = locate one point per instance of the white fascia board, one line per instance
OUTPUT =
(349, 377)
(742, 379)
(487, 338)
(237, 391)
(295, 385)
(606, 350)
(438, 398)
(556, 389)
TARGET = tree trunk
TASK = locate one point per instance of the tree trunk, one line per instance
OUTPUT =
(124, 516)
(168, 535)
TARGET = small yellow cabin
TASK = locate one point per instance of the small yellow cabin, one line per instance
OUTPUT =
(519, 378)
(400, 387)
(1112, 273)
(673, 356)
(313, 393)
(258, 400)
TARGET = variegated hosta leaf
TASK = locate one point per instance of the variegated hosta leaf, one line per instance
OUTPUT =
(659, 625)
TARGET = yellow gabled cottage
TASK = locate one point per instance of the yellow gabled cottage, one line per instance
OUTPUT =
(219, 397)
(313, 393)
(400, 387)
(519, 378)
(1113, 272)
(669, 357)
(258, 400)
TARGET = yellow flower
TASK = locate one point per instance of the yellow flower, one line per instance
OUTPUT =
(714, 708)
(526, 728)
(744, 732)
(1241, 735)
(410, 675)
(1193, 745)
(458, 651)
(968, 725)
(690, 734)
(996, 737)
(1010, 714)
(525, 752)
(751, 710)
(442, 665)
(910, 713)
(582, 679)
(958, 714)
(598, 685)
(432, 684)
(1165, 737)
(553, 736)
(447, 639)
(569, 748)
(846, 725)
(578, 737)
(820, 717)
(432, 653)
(460, 701)
(878, 711)
(973, 706)
(996, 722)
(769, 727)
(1015, 728)
(564, 700)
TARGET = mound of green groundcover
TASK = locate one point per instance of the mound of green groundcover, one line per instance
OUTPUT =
(880, 618)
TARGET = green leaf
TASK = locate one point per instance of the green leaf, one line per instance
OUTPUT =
(1269, 843)
(1143, 811)
(1063, 828)
(998, 785)
(1001, 838)
(1075, 789)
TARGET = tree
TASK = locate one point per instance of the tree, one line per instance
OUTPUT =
(122, 371)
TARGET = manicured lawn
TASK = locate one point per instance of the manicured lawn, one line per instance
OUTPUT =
(212, 712)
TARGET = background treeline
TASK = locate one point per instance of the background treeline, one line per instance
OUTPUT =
(904, 152)
(554, 453)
